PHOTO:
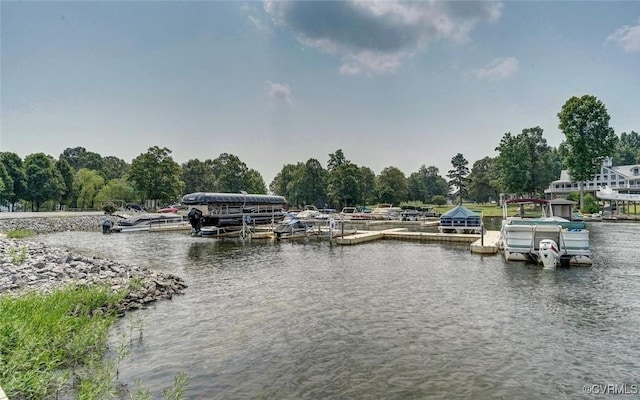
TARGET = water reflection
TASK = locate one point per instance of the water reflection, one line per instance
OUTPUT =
(381, 320)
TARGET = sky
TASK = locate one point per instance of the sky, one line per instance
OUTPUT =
(390, 83)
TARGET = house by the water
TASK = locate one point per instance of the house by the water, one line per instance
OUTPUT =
(623, 178)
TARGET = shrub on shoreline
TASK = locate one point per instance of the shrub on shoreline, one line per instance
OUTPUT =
(19, 233)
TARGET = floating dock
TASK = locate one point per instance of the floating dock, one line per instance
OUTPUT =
(486, 244)
(168, 228)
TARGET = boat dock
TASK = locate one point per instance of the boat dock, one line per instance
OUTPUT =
(169, 227)
(486, 244)
(2, 395)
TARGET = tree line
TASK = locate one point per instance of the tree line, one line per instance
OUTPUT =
(525, 165)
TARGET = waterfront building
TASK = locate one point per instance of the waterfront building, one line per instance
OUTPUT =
(623, 178)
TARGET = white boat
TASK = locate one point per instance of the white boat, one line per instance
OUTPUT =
(221, 232)
(146, 222)
(547, 240)
(326, 214)
(354, 214)
(309, 212)
(293, 229)
(593, 217)
(386, 211)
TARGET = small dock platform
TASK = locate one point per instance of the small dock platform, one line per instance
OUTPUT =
(2, 395)
(488, 244)
(481, 245)
(169, 228)
(364, 236)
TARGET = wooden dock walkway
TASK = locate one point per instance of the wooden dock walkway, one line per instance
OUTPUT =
(488, 244)
(481, 245)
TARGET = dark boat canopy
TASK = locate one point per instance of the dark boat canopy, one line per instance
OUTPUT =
(232, 198)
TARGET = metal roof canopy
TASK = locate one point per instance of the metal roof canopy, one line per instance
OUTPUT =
(231, 198)
(460, 212)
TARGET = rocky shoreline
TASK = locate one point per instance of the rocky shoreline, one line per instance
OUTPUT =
(27, 265)
(86, 223)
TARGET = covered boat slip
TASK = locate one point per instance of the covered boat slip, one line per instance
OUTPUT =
(232, 199)
(233, 209)
(460, 220)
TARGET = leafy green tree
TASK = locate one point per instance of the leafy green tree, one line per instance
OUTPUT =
(480, 185)
(436, 185)
(392, 186)
(255, 182)
(114, 168)
(426, 183)
(590, 204)
(416, 188)
(198, 176)
(513, 164)
(44, 181)
(588, 138)
(229, 171)
(555, 163)
(79, 157)
(540, 159)
(6, 185)
(439, 200)
(343, 188)
(284, 182)
(67, 174)
(117, 191)
(155, 176)
(458, 175)
(233, 176)
(367, 186)
(526, 163)
(86, 184)
(15, 168)
(335, 160)
(311, 182)
(627, 150)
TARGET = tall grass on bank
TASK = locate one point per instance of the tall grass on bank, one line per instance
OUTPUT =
(54, 344)
(19, 233)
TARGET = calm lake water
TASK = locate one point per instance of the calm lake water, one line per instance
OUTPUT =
(382, 320)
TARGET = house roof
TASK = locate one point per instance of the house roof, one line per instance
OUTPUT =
(625, 170)
(562, 202)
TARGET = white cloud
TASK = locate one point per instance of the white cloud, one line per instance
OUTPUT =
(251, 13)
(499, 68)
(374, 37)
(279, 92)
(255, 22)
(628, 37)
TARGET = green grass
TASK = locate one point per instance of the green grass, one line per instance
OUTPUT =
(19, 233)
(52, 344)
